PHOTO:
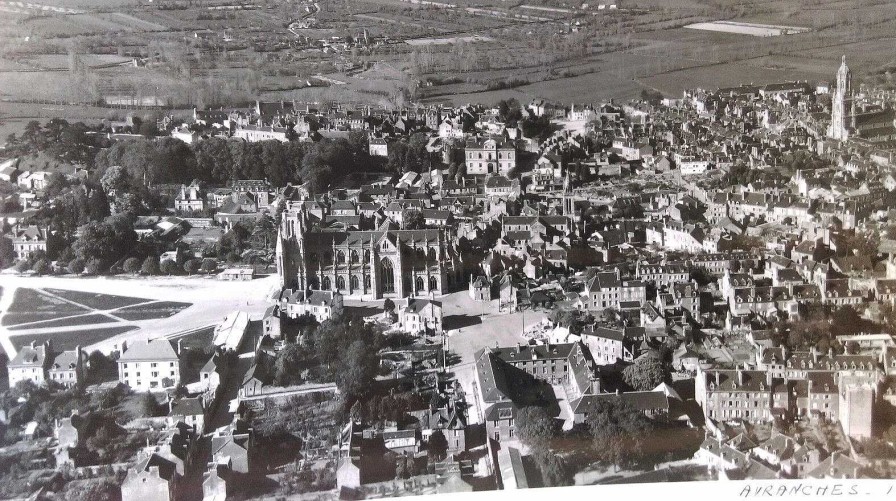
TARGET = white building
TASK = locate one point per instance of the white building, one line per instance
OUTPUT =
(29, 364)
(149, 365)
(489, 157)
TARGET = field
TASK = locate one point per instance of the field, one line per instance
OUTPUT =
(751, 29)
(70, 341)
(207, 54)
(72, 317)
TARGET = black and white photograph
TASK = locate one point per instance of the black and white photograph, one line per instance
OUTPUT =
(364, 249)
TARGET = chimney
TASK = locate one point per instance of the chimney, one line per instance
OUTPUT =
(717, 378)
(740, 376)
(179, 346)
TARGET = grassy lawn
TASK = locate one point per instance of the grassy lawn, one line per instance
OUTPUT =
(66, 322)
(32, 301)
(69, 340)
(97, 300)
(150, 311)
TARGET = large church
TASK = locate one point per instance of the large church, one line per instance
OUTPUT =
(873, 125)
(384, 263)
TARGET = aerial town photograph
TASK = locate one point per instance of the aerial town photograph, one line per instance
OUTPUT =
(360, 249)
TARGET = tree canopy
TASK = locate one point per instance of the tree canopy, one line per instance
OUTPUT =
(646, 373)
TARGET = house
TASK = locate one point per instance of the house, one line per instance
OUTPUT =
(421, 315)
(489, 156)
(320, 304)
(27, 240)
(30, 364)
(68, 367)
(501, 187)
(36, 180)
(236, 443)
(378, 147)
(607, 290)
(238, 274)
(837, 467)
(9, 171)
(449, 419)
(609, 345)
(153, 478)
(191, 198)
(480, 289)
(189, 410)
(149, 365)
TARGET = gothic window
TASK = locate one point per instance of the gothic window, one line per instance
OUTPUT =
(418, 284)
(433, 283)
(354, 256)
(356, 284)
(325, 284)
(340, 283)
(340, 257)
(367, 282)
(432, 253)
(366, 256)
(388, 275)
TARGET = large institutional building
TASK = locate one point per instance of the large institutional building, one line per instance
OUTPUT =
(386, 262)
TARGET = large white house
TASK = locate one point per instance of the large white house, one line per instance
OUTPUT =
(489, 157)
(149, 365)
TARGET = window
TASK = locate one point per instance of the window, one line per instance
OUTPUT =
(172, 364)
(511, 432)
(386, 271)
(155, 374)
(153, 365)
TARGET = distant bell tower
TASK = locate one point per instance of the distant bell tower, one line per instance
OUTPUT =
(841, 104)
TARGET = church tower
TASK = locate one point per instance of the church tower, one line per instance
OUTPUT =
(841, 104)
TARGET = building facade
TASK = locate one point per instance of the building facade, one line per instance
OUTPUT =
(386, 262)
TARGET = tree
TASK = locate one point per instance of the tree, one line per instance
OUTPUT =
(358, 370)
(106, 241)
(150, 266)
(140, 405)
(438, 445)
(41, 267)
(131, 265)
(169, 267)
(536, 428)
(192, 266)
(22, 266)
(388, 306)
(618, 432)
(554, 469)
(7, 252)
(209, 265)
(646, 373)
(287, 365)
(414, 220)
(76, 266)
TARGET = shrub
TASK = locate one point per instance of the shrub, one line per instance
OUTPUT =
(150, 266)
(131, 265)
(169, 267)
(76, 266)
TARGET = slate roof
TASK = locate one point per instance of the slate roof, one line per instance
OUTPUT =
(159, 350)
